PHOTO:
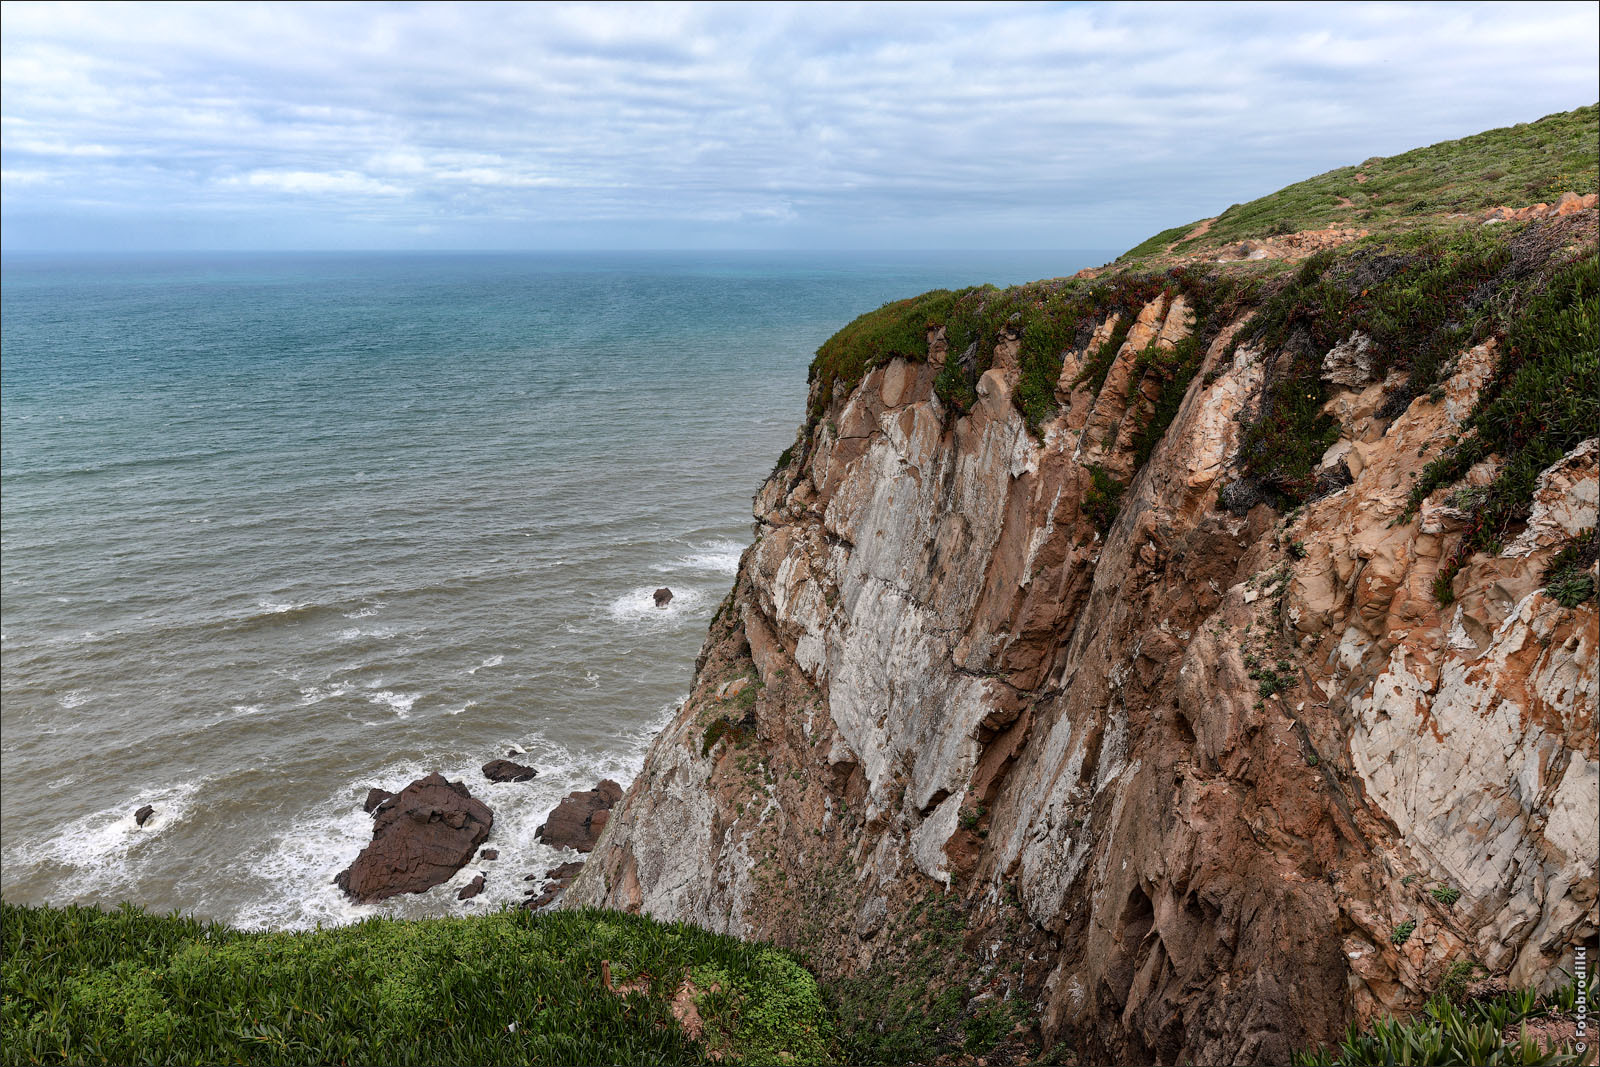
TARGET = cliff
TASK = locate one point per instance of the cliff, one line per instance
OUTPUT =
(1191, 657)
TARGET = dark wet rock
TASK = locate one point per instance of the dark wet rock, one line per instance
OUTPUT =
(489, 854)
(504, 770)
(663, 597)
(558, 880)
(142, 816)
(513, 752)
(573, 825)
(471, 889)
(375, 798)
(421, 838)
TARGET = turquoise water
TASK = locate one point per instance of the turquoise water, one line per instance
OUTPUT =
(279, 528)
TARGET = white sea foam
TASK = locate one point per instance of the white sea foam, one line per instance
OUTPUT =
(365, 613)
(718, 557)
(492, 661)
(295, 873)
(73, 698)
(399, 702)
(458, 711)
(638, 607)
(106, 853)
(316, 694)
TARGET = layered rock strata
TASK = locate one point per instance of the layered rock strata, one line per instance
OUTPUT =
(1191, 777)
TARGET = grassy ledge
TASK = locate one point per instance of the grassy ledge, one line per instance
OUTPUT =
(86, 986)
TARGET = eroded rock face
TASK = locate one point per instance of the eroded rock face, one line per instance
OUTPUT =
(1194, 770)
(578, 819)
(422, 837)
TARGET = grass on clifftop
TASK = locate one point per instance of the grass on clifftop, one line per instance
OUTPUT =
(85, 986)
(1514, 166)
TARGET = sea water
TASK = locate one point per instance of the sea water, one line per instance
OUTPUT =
(279, 528)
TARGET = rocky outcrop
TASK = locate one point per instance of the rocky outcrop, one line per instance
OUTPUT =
(577, 821)
(556, 880)
(420, 838)
(1190, 775)
(504, 770)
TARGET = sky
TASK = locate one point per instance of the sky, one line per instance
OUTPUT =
(711, 126)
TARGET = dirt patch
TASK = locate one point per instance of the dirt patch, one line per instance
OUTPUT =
(684, 1010)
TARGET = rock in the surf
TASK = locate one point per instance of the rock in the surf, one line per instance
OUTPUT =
(471, 889)
(375, 798)
(559, 878)
(663, 597)
(489, 854)
(421, 838)
(142, 816)
(574, 823)
(504, 770)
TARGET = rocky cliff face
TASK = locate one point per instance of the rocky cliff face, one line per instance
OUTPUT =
(1209, 778)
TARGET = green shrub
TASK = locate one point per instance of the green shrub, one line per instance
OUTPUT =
(1103, 500)
(1445, 895)
(1447, 1032)
(1402, 933)
(1569, 578)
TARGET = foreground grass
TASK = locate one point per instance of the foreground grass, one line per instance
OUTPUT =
(86, 986)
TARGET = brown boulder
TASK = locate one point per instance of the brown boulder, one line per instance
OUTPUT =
(489, 854)
(142, 816)
(375, 798)
(504, 770)
(574, 824)
(663, 597)
(419, 839)
(471, 889)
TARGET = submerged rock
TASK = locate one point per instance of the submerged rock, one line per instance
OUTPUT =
(420, 838)
(577, 821)
(663, 597)
(142, 816)
(504, 770)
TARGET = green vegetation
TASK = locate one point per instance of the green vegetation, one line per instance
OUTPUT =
(1402, 933)
(1103, 500)
(914, 1005)
(1569, 578)
(1542, 401)
(1445, 894)
(1514, 166)
(1454, 1028)
(85, 986)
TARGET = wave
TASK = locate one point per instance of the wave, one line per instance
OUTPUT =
(105, 853)
(716, 557)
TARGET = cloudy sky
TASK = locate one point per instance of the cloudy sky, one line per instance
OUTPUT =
(989, 125)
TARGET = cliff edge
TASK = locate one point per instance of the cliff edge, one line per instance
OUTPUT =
(1190, 658)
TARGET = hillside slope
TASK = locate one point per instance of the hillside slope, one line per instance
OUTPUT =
(1171, 664)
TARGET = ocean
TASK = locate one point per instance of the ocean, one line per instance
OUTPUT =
(278, 528)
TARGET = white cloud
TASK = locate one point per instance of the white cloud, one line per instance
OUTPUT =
(850, 123)
(316, 183)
